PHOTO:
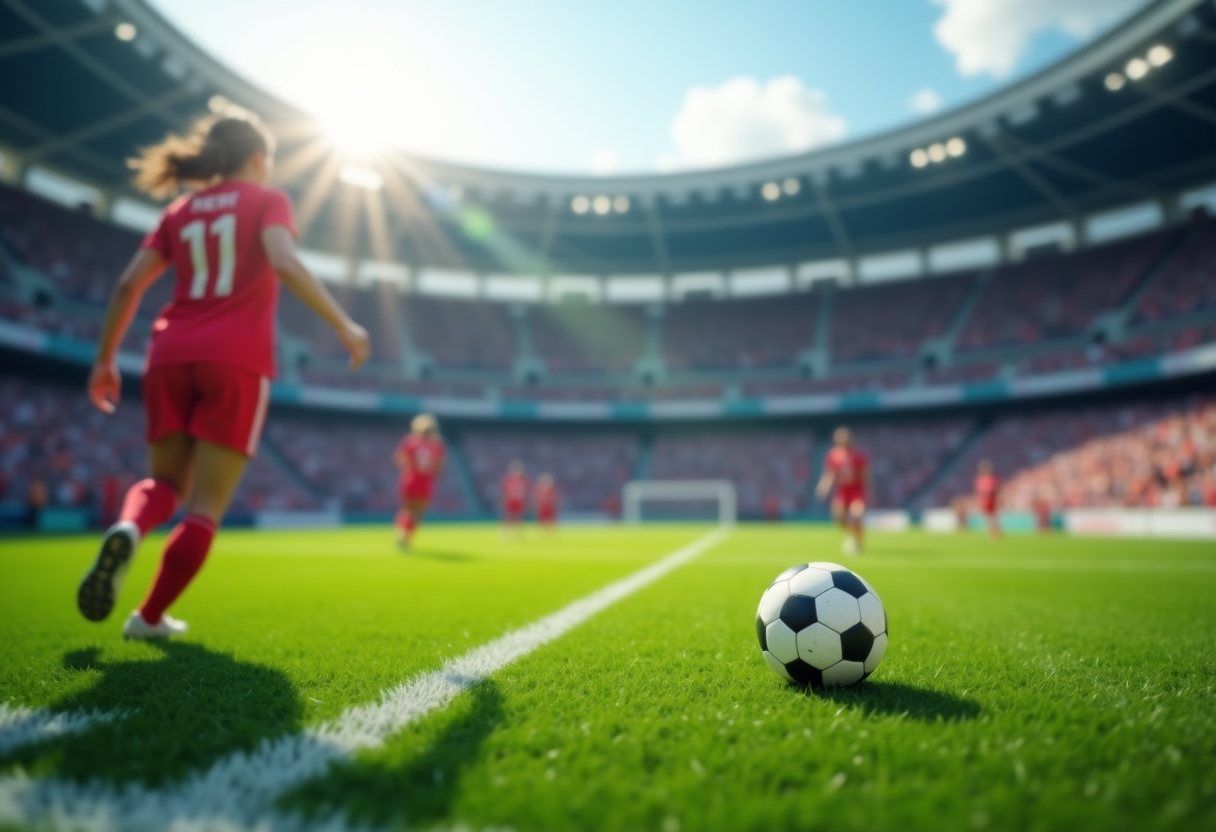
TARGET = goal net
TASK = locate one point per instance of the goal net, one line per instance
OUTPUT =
(679, 499)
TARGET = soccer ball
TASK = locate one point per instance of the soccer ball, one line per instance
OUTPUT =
(820, 624)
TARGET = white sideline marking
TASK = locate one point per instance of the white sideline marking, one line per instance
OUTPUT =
(237, 792)
(21, 726)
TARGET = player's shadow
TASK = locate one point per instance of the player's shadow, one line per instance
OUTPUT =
(440, 554)
(899, 699)
(414, 780)
(177, 711)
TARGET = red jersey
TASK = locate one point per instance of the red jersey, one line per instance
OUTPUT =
(545, 497)
(849, 466)
(987, 486)
(515, 489)
(423, 457)
(223, 307)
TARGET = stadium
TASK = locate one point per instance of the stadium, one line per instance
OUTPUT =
(1028, 280)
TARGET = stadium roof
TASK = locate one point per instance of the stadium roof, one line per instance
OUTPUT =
(1130, 119)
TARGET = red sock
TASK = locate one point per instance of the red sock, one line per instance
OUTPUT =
(406, 522)
(184, 555)
(148, 504)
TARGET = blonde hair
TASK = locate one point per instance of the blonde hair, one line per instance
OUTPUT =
(424, 423)
(212, 148)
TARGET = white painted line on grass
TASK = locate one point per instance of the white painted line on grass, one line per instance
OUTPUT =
(22, 726)
(237, 793)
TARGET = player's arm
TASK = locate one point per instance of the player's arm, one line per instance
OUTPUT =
(105, 382)
(825, 482)
(281, 251)
(400, 458)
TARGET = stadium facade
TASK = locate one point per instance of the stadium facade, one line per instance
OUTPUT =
(1043, 249)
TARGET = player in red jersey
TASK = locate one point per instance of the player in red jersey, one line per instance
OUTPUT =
(987, 494)
(545, 498)
(420, 456)
(514, 495)
(207, 378)
(848, 469)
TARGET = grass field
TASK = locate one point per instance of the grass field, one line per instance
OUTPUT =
(1036, 683)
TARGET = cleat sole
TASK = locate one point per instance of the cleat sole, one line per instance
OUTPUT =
(99, 590)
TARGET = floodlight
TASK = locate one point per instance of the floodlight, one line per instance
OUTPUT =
(956, 147)
(771, 191)
(1137, 68)
(620, 204)
(937, 152)
(1160, 55)
(602, 205)
(791, 186)
(1115, 82)
(919, 158)
(580, 204)
(125, 31)
(361, 177)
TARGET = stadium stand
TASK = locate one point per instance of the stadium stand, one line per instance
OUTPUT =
(582, 337)
(1144, 453)
(771, 470)
(1189, 282)
(465, 334)
(761, 332)
(894, 320)
(903, 456)
(590, 468)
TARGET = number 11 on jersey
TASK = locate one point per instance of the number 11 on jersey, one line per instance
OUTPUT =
(195, 234)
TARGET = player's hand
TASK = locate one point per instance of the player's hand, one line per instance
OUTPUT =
(357, 343)
(105, 387)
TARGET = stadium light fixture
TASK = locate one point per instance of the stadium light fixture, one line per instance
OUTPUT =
(580, 205)
(791, 186)
(126, 32)
(771, 191)
(956, 147)
(620, 204)
(937, 152)
(1115, 81)
(602, 205)
(361, 177)
(1160, 55)
(1136, 68)
(919, 158)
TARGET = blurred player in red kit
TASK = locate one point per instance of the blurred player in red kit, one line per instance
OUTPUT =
(514, 495)
(848, 469)
(1042, 514)
(987, 494)
(545, 498)
(206, 382)
(420, 456)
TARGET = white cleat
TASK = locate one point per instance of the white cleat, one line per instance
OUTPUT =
(849, 546)
(99, 590)
(137, 628)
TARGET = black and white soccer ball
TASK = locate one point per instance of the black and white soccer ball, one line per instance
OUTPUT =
(821, 624)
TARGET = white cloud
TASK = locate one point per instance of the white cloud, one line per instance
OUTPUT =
(990, 36)
(744, 120)
(605, 162)
(925, 101)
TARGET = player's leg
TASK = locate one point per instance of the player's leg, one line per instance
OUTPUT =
(217, 473)
(994, 524)
(857, 511)
(412, 512)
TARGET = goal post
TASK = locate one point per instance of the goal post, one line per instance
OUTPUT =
(638, 492)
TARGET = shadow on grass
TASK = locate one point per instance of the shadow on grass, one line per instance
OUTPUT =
(899, 699)
(414, 781)
(439, 554)
(182, 709)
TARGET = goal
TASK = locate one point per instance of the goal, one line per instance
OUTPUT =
(637, 493)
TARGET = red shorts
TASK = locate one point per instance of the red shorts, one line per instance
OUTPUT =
(988, 506)
(416, 489)
(546, 514)
(846, 496)
(216, 403)
(513, 510)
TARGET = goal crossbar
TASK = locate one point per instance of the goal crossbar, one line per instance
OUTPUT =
(636, 492)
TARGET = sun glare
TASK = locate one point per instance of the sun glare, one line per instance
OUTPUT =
(360, 132)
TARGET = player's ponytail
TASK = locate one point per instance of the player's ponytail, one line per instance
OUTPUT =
(213, 148)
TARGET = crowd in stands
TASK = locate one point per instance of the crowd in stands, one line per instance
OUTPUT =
(1150, 453)
(903, 456)
(590, 468)
(739, 333)
(1188, 282)
(893, 320)
(1051, 297)
(349, 462)
(467, 334)
(588, 338)
(771, 471)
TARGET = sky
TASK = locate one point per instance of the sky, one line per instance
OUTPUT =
(631, 86)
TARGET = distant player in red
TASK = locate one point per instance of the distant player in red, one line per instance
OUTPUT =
(206, 383)
(987, 494)
(545, 498)
(1042, 514)
(420, 456)
(515, 488)
(848, 469)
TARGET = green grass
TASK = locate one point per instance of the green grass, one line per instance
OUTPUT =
(1036, 683)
